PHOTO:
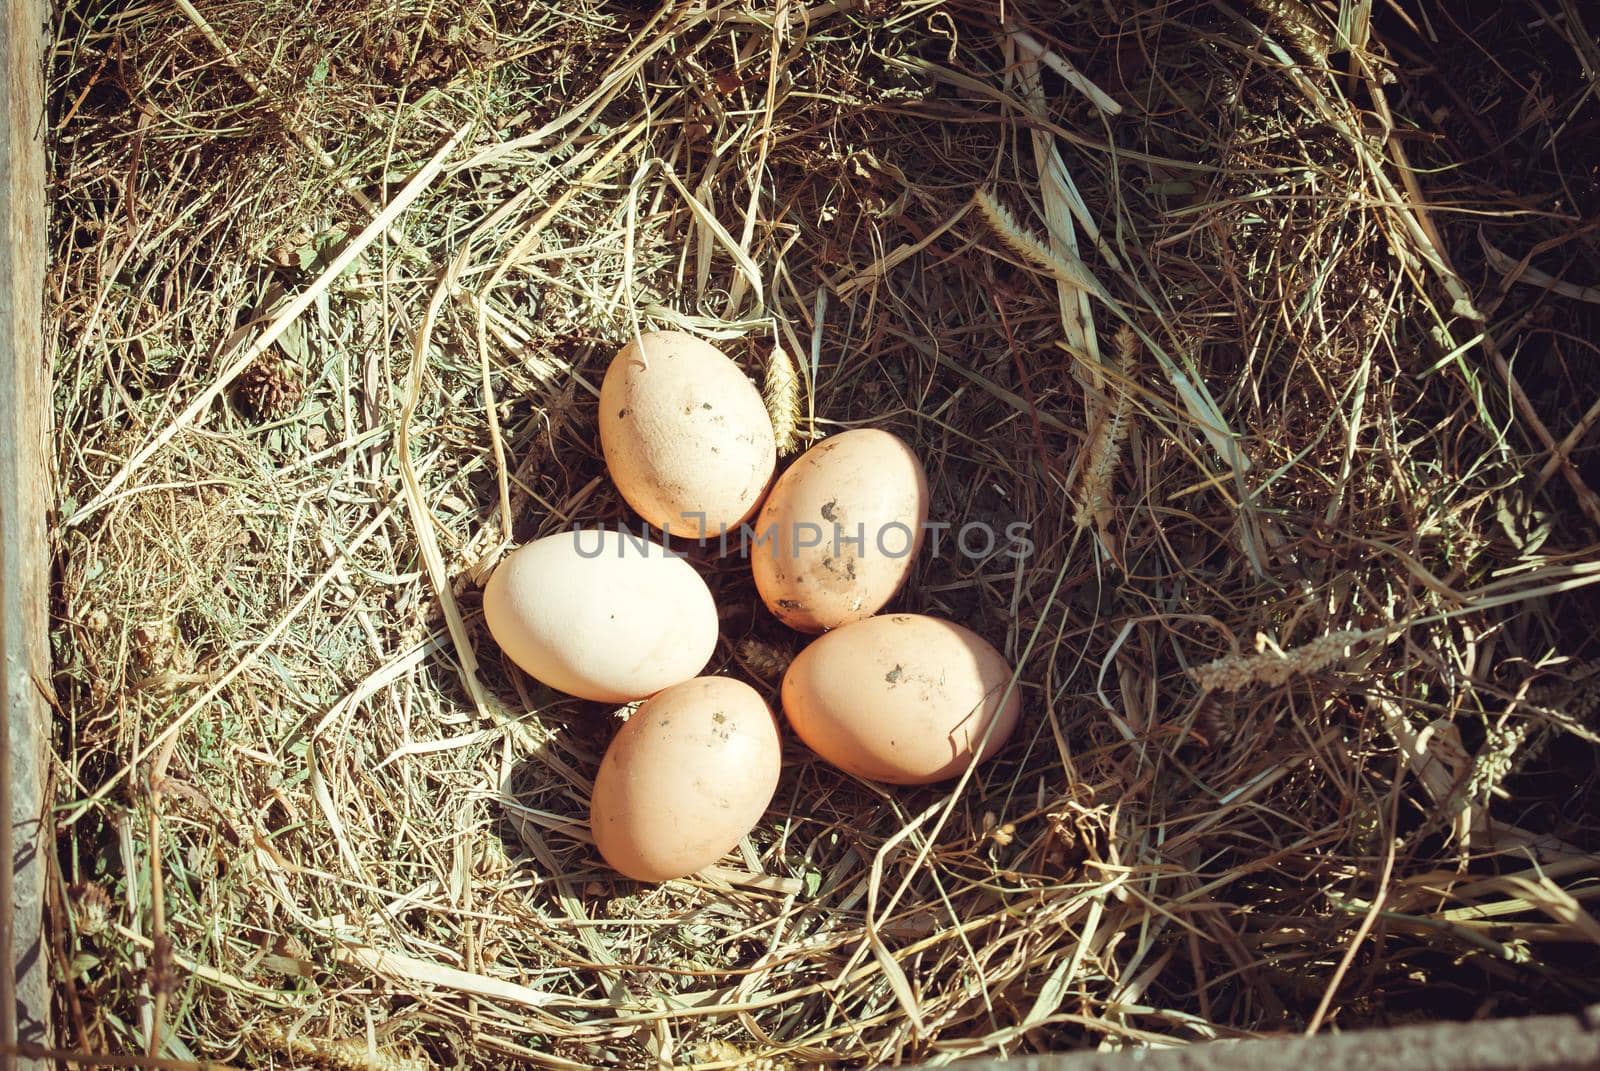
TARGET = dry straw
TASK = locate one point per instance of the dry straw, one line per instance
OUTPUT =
(322, 805)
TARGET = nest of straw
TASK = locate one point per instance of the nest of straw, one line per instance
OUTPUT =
(1274, 326)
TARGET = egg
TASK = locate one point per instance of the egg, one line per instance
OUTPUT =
(602, 615)
(685, 434)
(685, 779)
(901, 698)
(840, 531)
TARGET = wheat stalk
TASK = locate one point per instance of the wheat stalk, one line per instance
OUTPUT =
(1274, 666)
(763, 659)
(782, 395)
(1504, 752)
(1508, 749)
(1298, 25)
(1577, 695)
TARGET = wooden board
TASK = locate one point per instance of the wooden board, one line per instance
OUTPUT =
(1538, 1043)
(24, 503)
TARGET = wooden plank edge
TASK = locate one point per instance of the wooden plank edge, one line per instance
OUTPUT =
(25, 502)
(1535, 1043)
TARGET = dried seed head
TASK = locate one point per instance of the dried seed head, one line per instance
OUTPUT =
(763, 659)
(725, 1052)
(153, 643)
(1501, 756)
(271, 388)
(335, 1054)
(158, 646)
(1300, 26)
(91, 908)
(1105, 441)
(1023, 242)
(1575, 694)
(782, 395)
(1272, 666)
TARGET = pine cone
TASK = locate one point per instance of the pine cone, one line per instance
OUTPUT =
(271, 387)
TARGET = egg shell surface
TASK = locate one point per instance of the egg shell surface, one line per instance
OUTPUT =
(840, 531)
(690, 774)
(902, 698)
(685, 434)
(601, 614)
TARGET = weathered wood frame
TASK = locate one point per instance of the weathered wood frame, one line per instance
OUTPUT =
(1537, 1043)
(1547, 1044)
(25, 500)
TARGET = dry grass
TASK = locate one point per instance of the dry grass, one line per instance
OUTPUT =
(1306, 638)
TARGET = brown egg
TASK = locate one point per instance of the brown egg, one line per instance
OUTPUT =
(840, 531)
(601, 615)
(686, 436)
(685, 779)
(901, 698)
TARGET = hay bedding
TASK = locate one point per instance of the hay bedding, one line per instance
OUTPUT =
(1304, 639)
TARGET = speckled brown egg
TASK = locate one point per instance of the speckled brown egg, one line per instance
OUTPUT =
(601, 615)
(901, 698)
(685, 779)
(686, 436)
(840, 531)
